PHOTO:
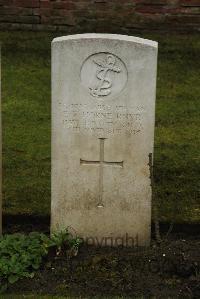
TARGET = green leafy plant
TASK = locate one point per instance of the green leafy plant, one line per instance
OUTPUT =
(21, 255)
(64, 242)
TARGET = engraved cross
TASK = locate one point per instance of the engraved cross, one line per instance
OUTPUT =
(101, 164)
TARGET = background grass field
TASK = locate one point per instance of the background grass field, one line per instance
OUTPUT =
(59, 297)
(26, 63)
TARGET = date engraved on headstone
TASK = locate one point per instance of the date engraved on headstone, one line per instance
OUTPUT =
(80, 118)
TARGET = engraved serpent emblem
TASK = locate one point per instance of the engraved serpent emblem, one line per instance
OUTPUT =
(104, 85)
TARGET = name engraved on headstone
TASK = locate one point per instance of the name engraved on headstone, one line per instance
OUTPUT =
(103, 119)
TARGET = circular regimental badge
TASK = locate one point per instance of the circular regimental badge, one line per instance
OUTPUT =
(104, 75)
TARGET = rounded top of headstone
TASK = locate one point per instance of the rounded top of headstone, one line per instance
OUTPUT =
(104, 36)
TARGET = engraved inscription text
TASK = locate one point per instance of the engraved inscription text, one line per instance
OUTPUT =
(103, 120)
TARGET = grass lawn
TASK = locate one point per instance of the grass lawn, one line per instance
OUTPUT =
(26, 124)
(58, 297)
(32, 297)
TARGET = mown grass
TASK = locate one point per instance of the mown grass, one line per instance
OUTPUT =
(26, 124)
(32, 297)
(58, 297)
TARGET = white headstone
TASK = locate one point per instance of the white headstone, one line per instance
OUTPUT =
(103, 104)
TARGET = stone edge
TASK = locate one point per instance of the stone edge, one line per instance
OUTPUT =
(120, 37)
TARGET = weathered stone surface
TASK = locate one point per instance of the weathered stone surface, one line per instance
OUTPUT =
(103, 102)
